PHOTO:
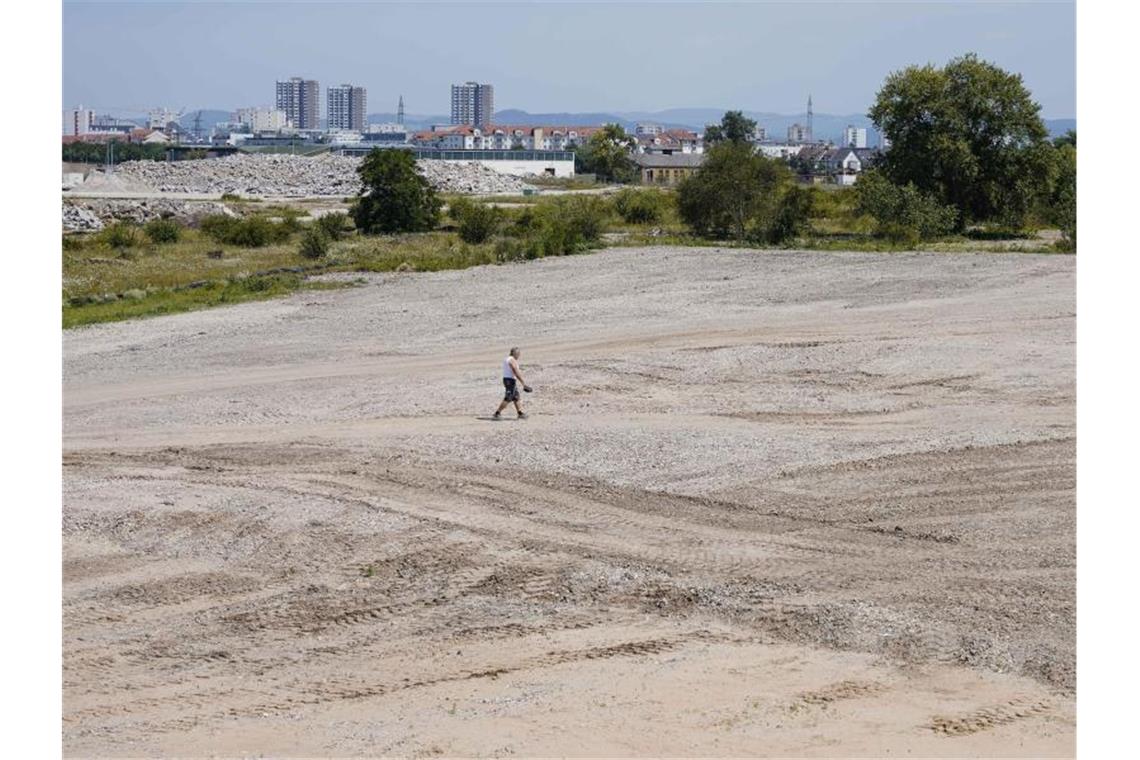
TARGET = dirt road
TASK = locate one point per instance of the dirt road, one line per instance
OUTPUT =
(767, 503)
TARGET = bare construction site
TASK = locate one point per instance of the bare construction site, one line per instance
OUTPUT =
(767, 503)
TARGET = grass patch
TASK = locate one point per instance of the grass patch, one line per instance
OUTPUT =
(174, 302)
(563, 183)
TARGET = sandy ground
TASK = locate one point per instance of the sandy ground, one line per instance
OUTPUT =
(778, 503)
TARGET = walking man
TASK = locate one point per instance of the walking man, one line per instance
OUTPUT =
(512, 377)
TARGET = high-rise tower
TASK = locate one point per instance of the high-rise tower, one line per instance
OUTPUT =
(299, 99)
(810, 136)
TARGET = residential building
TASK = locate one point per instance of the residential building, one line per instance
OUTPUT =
(780, 150)
(854, 137)
(299, 99)
(798, 133)
(666, 169)
(472, 103)
(80, 121)
(346, 107)
(760, 135)
(158, 118)
(669, 141)
(257, 120)
(647, 129)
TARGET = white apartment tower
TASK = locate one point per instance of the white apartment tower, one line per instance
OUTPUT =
(299, 99)
(80, 121)
(854, 137)
(472, 103)
(346, 107)
(798, 133)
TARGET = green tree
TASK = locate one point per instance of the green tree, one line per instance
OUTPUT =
(967, 134)
(395, 197)
(1063, 200)
(734, 193)
(607, 155)
(733, 127)
(1069, 138)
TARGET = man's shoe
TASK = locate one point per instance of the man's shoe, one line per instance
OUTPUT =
(523, 415)
(496, 416)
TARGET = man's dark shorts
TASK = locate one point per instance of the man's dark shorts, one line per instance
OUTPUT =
(512, 393)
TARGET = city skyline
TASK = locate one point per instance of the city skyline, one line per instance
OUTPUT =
(758, 57)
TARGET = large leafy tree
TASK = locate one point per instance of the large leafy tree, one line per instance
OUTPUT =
(394, 197)
(735, 192)
(607, 155)
(968, 134)
(733, 127)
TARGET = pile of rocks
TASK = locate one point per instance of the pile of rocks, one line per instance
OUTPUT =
(91, 214)
(299, 176)
(79, 219)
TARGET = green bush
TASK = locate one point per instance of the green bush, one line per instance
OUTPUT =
(121, 235)
(478, 223)
(894, 206)
(250, 232)
(334, 226)
(163, 230)
(314, 243)
(793, 211)
(733, 194)
(639, 206)
(458, 206)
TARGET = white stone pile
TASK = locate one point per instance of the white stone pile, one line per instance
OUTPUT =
(80, 219)
(299, 176)
(91, 214)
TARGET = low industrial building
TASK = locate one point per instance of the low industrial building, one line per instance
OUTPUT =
(666, 168)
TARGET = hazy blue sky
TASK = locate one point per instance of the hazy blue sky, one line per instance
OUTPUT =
(130, 56)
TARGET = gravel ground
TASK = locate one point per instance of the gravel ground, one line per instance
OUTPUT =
(859, 463)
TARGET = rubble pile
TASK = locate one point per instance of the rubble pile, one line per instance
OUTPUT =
(300, 176)
(80, 219)
(91, 214)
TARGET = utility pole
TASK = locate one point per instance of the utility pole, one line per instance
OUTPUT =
(198, 127)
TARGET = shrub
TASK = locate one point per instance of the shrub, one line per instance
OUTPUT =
(478, 223)
(395, 197)
(458, 206)
(121, 235)
(163, 230)
(792, 213)
(314, 243)
(896, 206)
(334, 226)
(734, 193)
(250, 232)
(639, 206)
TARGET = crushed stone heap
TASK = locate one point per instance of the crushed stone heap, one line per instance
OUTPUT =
(298, 176)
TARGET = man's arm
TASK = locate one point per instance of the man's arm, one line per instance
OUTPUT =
(515, 369)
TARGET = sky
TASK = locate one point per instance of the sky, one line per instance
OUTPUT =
(125, 58)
